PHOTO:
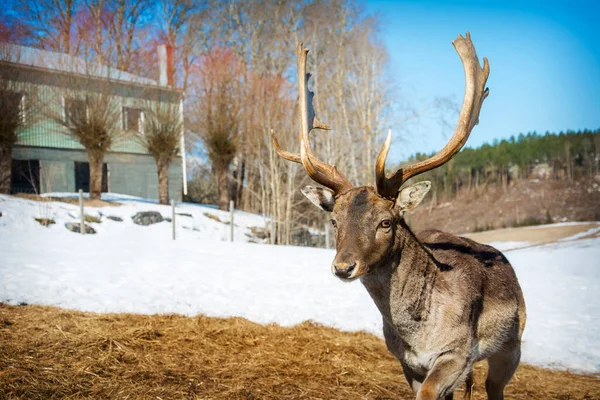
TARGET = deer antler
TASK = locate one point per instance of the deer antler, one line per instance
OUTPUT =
(475, 93)
(321, 172)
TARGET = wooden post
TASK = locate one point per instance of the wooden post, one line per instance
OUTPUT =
(81, 213)
(231, 219)
(273, 231)
(173, 217)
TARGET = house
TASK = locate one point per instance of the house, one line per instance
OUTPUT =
(47, 159)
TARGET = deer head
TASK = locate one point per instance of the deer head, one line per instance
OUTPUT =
(368, 221)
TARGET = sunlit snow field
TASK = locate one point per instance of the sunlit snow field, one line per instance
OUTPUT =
(131, 268)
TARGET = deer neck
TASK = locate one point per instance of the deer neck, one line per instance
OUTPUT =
(402, 284)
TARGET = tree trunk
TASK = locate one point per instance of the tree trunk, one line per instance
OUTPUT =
(162, 165)
(96, 162)
(568, 161)
(5, 169)
(470, 179)
(240, 184)
(223, 189)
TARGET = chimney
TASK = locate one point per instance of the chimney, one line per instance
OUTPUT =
(165, 65)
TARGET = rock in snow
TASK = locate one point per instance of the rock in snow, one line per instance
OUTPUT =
(76, 227)
(147, 218)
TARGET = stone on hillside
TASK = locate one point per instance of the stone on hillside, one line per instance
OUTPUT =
(147, 218)
(115, 218)
(75, 227)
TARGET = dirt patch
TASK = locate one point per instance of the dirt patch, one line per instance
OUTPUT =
(50, 353)
(532, 234)
(86, 202)
(523, 202)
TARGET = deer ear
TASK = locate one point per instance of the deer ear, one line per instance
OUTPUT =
(320, 197)
(411, 196)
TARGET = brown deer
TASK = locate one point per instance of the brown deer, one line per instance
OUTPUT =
(446, 301)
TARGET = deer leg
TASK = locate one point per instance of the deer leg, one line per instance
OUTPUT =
(448, 372)
(395, 346)
(502, 367)
(414, 380)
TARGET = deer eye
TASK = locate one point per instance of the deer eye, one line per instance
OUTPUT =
(385, 224)
(333, 223)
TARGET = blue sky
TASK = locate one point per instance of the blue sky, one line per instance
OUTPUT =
(544, 58)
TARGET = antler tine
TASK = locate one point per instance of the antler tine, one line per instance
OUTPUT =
(475, 94)
(283, 153)
(322, 173)
(380, 179)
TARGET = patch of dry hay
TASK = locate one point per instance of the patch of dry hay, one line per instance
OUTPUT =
(49, 353)
(68, 200)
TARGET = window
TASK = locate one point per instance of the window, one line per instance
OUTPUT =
(12, 103)
(74, 110)
(133, 119)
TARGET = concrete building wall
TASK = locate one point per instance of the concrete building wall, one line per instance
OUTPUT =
(131, 174)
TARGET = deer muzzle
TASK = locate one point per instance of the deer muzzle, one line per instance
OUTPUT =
(346, 269)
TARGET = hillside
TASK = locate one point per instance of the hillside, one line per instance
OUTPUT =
(523, 202)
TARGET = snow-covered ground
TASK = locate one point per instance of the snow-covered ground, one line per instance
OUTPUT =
(131, 268)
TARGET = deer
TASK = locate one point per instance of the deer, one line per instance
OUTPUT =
(446, 301)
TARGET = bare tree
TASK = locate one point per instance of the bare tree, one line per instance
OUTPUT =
(216, 114)
(92, 117)
(91, 29)
(183, 25)
(262, 34)
(17, 102)
(161, 136)
(123, 25)
(51, 23)
(11, 119)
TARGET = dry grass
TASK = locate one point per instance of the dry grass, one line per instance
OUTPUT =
(68, 200)
(213, 217)
(91, 218)
(50, 353)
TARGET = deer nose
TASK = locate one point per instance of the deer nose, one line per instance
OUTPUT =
(344, 270)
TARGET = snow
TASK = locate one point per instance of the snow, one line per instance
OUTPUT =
(583, 234)
(130, 268)
(561, 283)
